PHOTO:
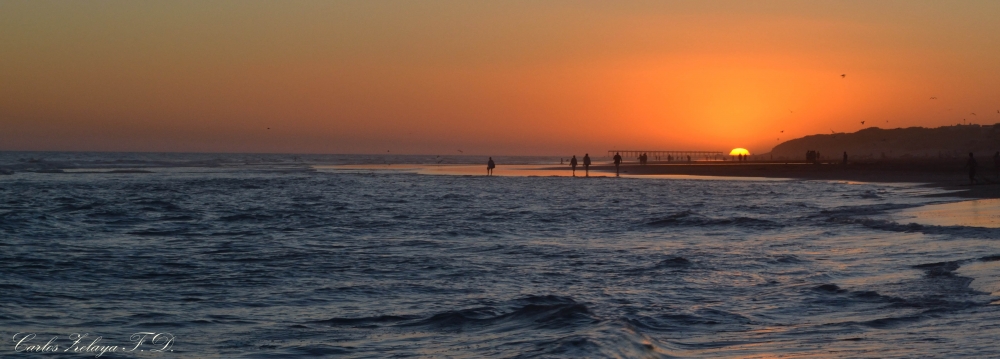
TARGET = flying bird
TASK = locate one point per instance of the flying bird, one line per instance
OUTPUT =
(783, 131)
(973, 113)
(460, 151)
(862, 122)
(933, 98)
(843, 75)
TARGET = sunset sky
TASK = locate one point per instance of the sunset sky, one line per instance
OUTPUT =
(487, 77)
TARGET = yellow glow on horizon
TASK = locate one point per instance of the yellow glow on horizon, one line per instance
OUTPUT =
(739, 151)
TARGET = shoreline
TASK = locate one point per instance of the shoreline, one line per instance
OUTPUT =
(947, 176)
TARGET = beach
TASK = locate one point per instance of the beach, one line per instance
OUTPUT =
(946, 175)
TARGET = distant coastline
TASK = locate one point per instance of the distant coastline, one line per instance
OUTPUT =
(913, 143)
(946, 174)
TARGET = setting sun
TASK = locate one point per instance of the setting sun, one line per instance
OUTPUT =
(739, 152)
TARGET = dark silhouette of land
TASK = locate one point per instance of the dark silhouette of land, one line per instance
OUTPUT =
(901, 143)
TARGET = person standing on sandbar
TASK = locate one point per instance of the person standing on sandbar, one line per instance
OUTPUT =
(490, 166)
(572, 163)
(996, 163)
(618, 162)
(586, 163)
(971, 164)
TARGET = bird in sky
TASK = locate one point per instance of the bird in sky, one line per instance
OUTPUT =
(843, 75)
(973, 113)
(460, 151)
(783, 131)
(862, 122)
(933, 98)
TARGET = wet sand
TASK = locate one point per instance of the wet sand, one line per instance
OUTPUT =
(466, 170)
(940, 174)
(984, 213)
(945, 175)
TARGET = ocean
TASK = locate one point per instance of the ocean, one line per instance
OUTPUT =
(346, 256)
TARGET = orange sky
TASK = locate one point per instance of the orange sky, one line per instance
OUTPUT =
(487, 77)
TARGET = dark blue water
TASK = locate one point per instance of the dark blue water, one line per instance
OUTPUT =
(265, 256)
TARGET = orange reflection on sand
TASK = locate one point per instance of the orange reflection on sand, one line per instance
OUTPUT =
(975, 213)
(469, 170)
(518, 171)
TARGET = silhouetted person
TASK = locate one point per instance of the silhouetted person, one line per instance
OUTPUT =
(996, 163)
(586, 164)
(971, 164)
(490, 166)
(845, 157)
(618, 162)
(572, 163)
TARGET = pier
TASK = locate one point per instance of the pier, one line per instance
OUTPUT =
(676, 155)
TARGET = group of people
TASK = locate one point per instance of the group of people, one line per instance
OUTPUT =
(971, 164)
(586, 164)
(490, 165)
(643, 159)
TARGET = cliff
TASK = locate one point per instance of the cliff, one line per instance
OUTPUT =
(914, 142)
